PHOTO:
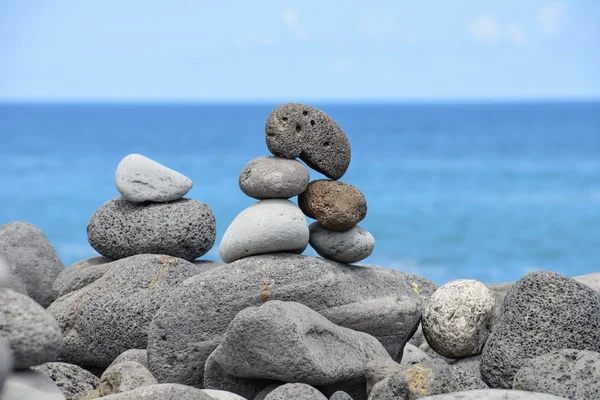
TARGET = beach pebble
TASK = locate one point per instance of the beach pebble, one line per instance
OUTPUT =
(162, 391)
(592, 280)
(273, 178)
(31, 332)
(268, 226)
(141, 179)
(336, 205)
(457, 318)
(296, 391)
(297, 130)
(183, 228)
(140, 356)
(123, 377)
(73, 381)
(493, 394)
(80, 274)
(339, 395)
(26, 384)
(111, 315)
(6, 361)
(33, 259)
(542, 312)
(375, 300)
(349, 246)
(572, 374)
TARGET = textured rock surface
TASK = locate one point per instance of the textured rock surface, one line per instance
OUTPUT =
(457, 318)
(433, 354)
(222, 395)
(33, 259)
(542, 312)
(418, 338)
(573, 374)
(412, 355)
(499, 291)
(297, 130)
(123, 377)
(273, 178)
(31, 332)
(73, 381)
(467, 372)
(80, 274)
(183, 228)
(190, 324)
(138, 355)
(166, 391)
(111, 315)
(6, 361)
(349, 246)
(336, 205)
(493, 394)
(30, 385)
(10, 280)
(339, 395)
(297, 391)
(591, 280)
(269, 226)
(140, 179)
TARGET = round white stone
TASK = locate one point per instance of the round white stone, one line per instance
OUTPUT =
(457, 318)
(349, 246)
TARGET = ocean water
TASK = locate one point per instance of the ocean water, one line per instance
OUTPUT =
(483, 191)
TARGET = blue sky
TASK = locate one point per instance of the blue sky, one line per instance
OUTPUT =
(298, 50)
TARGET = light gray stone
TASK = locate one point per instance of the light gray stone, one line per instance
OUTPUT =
(433, 354)
(339, 395)
(493, 394)
(6, 361)
(164, 391)
(296, 391)
(457, 318)
(193, 319)
(592, 280)
(124, 377)
(297, 130)
(141, 179)
(273, 178)
(184, 228)
(379, 370)
(216, 378)
(31, 332)
(413, 355)
(542, 312)
(73, 381)
(269, 226)
(573, 374)
(33, 259)
(111, 315)
(222, 395)
(27, 384)
(138, 355)
(80, 274)
(349, 246)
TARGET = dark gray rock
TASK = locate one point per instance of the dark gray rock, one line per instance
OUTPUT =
(33, 259)
(379, 370)
(27, 384)
(124, 377)
(273, 178)
(138, 355)
(184, 228)
(165, 391)
(467, 372)
(111, 315)
(349, 246)
(296, 391)
(493, 394)
(6, 361)
(80, 274)
(339, 395)
(31, 332)
(193, 319)
(73, 381)
(542, 312)
(573, 374)
(297, 130)
(412, 355)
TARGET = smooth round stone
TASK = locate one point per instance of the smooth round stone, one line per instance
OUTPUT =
(336, 205)
(297, 130)
(349, 246)
(184, 228)
(273, 178)
(141, 179)
(269, 226)
(457, 318)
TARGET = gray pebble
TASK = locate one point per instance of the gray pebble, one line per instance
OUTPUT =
(413, 355)
(349, 246)
(273, 178)
(81, 274)
(339, 395)
(140, 356)
(73, 381)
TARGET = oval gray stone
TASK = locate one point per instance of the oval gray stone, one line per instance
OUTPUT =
(31, 332)
(339, 395)
(273, 178)
(301, 131)
(296, 391)
(80, 274)
(183, 228)
(141, 179)
(349, 246)
(33, 259)
(164, 391)
(73, 381)
(269, 226)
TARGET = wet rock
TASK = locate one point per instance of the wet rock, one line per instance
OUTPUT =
(273, 178)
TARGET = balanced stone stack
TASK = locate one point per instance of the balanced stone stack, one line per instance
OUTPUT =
(151, 216)
(275, 224)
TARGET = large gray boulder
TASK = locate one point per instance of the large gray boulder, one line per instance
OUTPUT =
(73, 381)
(80, 274)
(27, 384)
(273, 178)
(573, 374)
(493, 394)
(31, 332)
(166, 391)
(296, 391)
(194, 318)
(112, 314)
(6, 361)
(33, 259)
(542, 312)
(184, 228)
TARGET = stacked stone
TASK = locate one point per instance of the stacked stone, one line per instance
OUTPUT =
(151, 216)
(275, 224)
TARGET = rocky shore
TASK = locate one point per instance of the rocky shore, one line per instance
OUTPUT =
(150, 319)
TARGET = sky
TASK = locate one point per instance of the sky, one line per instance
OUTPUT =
(195, 50)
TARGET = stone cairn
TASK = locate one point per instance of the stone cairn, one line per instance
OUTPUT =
(274, 224)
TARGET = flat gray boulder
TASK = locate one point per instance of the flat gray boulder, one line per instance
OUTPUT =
(112, 314)
(184, 228)
(165, 391)
(33, 259)
(493, 394)
(191, 323)
(296, 391)
(6, 361)
(141, 179)
(27, 384)
(268, 226)
(349, 246)
(138, 355)
(542, 312)
(73, 381)
(31, 332)
(573, 374)
(273, 178)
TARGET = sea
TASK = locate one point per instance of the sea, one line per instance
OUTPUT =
(487, 191)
